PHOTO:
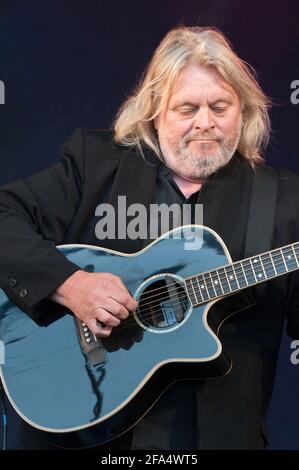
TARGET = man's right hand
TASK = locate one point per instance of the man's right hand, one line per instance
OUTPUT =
(100, 300)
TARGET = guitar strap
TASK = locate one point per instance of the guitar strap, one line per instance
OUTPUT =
(261, 220)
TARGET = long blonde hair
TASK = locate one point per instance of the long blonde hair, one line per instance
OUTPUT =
(134, 127)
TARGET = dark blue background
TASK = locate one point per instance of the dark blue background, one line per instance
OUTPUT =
(71, 63)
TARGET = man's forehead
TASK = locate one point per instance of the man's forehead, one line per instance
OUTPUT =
(211, 94)
(197, 82)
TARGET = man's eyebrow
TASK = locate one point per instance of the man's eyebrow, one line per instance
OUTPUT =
(176, 104)
(228, 99)
(184, 103)
(222, 100)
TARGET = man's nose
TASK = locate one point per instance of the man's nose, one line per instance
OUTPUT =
(204, 119)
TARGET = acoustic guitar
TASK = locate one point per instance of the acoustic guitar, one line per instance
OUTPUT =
(85, 390)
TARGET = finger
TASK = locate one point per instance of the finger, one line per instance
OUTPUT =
(105, 317)
(132, 302)
(105, 330)
(99, 329)
(115, 308)
(124, 298)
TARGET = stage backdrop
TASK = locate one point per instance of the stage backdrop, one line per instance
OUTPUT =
(70, 63)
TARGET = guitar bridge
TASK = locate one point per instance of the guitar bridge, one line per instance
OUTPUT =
(92, 346)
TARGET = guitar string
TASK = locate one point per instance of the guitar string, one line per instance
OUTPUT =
(151, 316)
(218, 277)
(130, 322)
(233, 266)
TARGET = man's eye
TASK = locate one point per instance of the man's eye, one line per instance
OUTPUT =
(186, 111)
(218, 110)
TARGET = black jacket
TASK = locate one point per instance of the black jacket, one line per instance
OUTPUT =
(54, 207)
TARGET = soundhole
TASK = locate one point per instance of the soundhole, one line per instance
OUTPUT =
(162, 303)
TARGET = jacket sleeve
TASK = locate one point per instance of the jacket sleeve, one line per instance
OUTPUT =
(35, 214)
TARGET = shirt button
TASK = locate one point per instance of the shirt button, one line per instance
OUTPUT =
(165, 172)
(23, 293)
(12, 282)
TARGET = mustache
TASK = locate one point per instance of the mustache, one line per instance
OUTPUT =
(200, 136)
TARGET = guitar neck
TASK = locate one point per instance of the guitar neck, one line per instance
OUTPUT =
(248, 272)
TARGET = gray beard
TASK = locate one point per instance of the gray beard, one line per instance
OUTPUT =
(204, 164)
(200, 164)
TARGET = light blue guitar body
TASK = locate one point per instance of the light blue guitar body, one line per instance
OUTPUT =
(86, 392)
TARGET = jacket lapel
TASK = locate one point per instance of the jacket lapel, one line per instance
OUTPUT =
(136, 180)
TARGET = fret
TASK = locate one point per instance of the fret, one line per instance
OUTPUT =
(240, 274)
(216, 283)
(250, 260)
(264, 272)
(295, 254)
(193, 288)
(244, 273)
(231, 278)
(258, 269)
(191, 292)
(203, 288)
(210, 287)
(289, 258)
(211, 283)
(236, 277)
(250, 277)
(219, 280)
(199, 289)
(279, 262)
(224, 281)
(268, 265)
(283, 259)
(273, 263)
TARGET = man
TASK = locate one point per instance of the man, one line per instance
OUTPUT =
(192, 132)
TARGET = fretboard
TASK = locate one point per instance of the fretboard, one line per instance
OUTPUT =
(241, 274)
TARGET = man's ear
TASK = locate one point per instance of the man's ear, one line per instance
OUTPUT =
(156, 122)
